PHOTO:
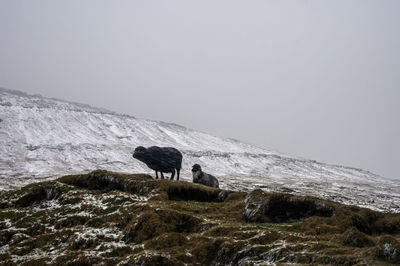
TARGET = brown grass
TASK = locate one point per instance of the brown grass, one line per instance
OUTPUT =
(183, 223)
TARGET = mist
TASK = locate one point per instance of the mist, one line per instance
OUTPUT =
(316, 79)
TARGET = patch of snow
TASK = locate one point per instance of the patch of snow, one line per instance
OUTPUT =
(47, 204)
(41, 139)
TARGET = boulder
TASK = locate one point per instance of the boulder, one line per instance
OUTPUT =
(279, 207)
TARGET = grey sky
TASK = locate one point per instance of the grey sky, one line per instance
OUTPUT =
(318, 79)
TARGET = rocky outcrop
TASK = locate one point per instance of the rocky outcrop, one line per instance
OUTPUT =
(279, 207)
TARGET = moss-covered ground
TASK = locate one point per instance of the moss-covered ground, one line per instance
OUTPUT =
(108, 218)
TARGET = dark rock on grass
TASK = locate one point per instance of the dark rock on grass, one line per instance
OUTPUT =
(278, 207)
(353, 237)
(388, 248)
(319, 216)
(289, 208)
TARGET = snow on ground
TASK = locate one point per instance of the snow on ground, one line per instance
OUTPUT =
(43, 138)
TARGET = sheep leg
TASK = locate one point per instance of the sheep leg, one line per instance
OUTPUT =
(172, 174)
(156, 174)
(162, 175)
(177, 174)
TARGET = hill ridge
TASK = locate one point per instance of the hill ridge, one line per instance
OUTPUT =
(37, 143)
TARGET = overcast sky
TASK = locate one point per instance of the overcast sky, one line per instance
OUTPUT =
(317, 79)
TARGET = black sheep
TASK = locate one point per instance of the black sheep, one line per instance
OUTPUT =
(160, 159)
(203, 178)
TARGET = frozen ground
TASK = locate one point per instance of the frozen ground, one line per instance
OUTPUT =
(43, 138)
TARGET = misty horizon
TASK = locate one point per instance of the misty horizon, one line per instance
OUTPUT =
(190, 128)
(318, 80)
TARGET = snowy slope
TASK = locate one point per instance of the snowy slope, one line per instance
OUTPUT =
(44, 138)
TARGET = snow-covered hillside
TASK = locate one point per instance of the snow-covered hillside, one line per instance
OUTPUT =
(43, 138)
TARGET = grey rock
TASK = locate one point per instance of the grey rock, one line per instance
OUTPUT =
(280, 207)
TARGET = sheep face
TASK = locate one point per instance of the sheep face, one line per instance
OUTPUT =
(196, 172)
(139, 153)
(196, 168)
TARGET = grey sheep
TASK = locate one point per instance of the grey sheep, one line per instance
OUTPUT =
(203, 178)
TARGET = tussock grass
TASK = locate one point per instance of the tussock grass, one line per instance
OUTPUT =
(108, 218)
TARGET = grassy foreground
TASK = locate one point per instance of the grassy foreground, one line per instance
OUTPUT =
(117, 219)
